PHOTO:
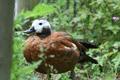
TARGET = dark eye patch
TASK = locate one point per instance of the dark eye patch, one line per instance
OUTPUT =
(40, 23)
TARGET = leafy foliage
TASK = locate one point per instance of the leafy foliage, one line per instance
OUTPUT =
(96, 21)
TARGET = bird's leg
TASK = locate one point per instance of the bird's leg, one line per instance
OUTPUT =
(48, 74)
(100, 68)
(72, 74)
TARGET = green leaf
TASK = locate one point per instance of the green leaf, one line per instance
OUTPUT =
(40, 10)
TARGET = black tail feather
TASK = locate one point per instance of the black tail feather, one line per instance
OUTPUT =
(85, 58)
(88, 44)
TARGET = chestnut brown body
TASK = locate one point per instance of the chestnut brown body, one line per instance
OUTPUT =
(58, 49)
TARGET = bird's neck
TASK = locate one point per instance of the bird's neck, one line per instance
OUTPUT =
(45, 32)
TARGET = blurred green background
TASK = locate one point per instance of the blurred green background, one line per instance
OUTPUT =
(92, 20)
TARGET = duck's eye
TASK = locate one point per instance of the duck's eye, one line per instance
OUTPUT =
(40, 23)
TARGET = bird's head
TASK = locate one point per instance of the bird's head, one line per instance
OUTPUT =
(41, 27)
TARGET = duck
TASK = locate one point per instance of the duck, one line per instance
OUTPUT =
(58, 51)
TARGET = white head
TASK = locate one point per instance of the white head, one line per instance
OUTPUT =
(40, 26)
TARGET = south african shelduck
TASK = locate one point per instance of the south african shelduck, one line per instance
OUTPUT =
(60, 50)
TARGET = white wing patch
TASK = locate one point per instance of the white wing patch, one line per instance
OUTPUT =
(51, 56)
(67, 47)
(74, 47)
